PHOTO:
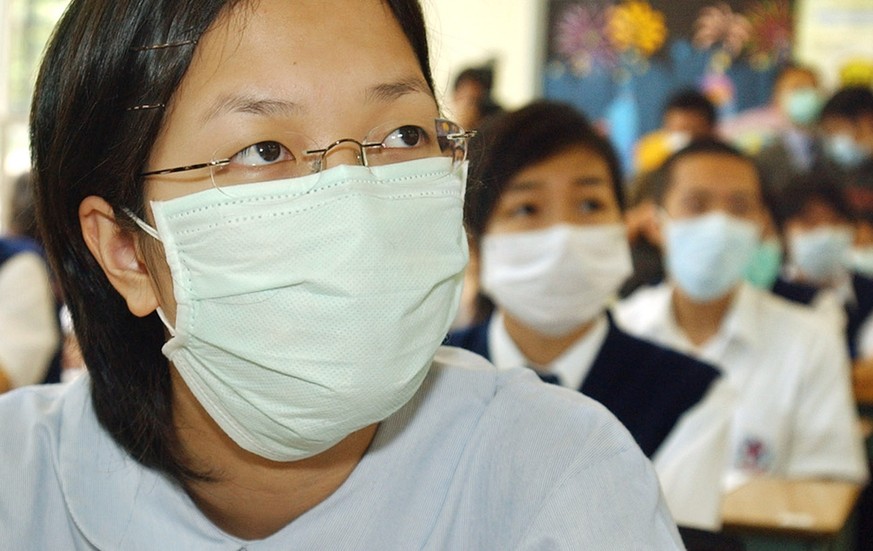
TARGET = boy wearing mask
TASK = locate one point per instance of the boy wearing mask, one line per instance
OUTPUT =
(794, 416)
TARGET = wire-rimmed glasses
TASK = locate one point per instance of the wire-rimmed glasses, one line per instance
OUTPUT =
(285, 155)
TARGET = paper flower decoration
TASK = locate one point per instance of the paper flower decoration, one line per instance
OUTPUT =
(580, 39)
(857, 72)
(719, 26)
(771, 33)
(634, 26)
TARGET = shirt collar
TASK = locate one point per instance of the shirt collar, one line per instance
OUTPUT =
(740, 322)
(571, 367)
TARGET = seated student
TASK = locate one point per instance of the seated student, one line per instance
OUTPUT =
(818, 225)
(544, 215)
(688, 115)
(29, 327)
(261, 314)
(795, 416)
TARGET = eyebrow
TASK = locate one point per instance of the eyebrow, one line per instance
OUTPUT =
(265, 107)
(390, 91)
(584, 181)
(271, 107)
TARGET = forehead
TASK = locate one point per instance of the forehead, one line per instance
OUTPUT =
(716, 173)
(319, 61)
(568, 165)
(796, 78)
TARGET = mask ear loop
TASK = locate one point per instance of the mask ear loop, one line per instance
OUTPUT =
(166, 321)
(143, 225)
(154, 233)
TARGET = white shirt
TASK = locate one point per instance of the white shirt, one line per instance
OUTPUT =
(478, 459)
(690, 462)
(571, 366)
(795, 415)
(29, 335)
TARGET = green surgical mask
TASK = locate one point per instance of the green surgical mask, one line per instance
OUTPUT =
(763, 268)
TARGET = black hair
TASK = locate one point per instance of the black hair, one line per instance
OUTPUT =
(851, 102)
(804, 189)
(515, 140)
(89, 138)
(690, 99)
(664, 177)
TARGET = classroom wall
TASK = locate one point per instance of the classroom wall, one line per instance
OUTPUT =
(469, 32)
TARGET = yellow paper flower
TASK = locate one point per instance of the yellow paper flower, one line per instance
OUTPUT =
(634, 25)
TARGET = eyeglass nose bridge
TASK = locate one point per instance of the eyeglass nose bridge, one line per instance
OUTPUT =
(360, 154)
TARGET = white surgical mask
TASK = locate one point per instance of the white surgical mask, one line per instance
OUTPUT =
(861, 260)
(309, 308)
(556, 279)
(707, 255)
(845, 151)
(821, 254)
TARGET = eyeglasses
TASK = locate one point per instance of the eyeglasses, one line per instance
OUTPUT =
(290, 154)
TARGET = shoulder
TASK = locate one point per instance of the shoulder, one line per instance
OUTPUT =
(30, 442)
(517, 407)
(644, 307)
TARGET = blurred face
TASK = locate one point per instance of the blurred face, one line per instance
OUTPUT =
(706, 182)
(466, 99)
(267, 70)
(687, 121)
(791, 81)
(860, 131)
(816, 214)
(571, 187)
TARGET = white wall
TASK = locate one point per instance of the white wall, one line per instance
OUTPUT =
(469, 32)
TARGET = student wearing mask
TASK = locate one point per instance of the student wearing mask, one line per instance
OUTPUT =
(846, 124)
(795, 416)
(819, 228)
(544, 212)
(260, 239)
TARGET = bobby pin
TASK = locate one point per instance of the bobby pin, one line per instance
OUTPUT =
(163, 46)
(146, 106)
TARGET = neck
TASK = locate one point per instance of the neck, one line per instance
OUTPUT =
(542, 349)
(700, 321)
(251, 497)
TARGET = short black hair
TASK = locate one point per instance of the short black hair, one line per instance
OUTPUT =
(806, 188)
(513, 141)
(664, 177)
(690, 99)
(483, 75)
(851, 102)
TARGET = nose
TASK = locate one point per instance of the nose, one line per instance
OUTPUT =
(343, 152)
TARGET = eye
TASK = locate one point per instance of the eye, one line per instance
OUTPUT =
(523, 211)
(262, 153)
(588, 206)
(406, 137)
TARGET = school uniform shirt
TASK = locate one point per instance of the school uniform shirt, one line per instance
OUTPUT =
(478, 459)
(29, 328)
(795, 416)
(677, 408)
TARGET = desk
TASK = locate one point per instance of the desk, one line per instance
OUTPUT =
(771, 514)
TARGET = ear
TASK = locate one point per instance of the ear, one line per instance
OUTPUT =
(116, 252)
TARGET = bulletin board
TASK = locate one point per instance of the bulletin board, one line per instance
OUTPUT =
(619, 61)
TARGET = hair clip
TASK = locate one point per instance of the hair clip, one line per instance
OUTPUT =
(146, 106)
(164, 46)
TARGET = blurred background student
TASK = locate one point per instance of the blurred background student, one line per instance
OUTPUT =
(29, 326)
(687, 115)
(544, 211)
(795, 416)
